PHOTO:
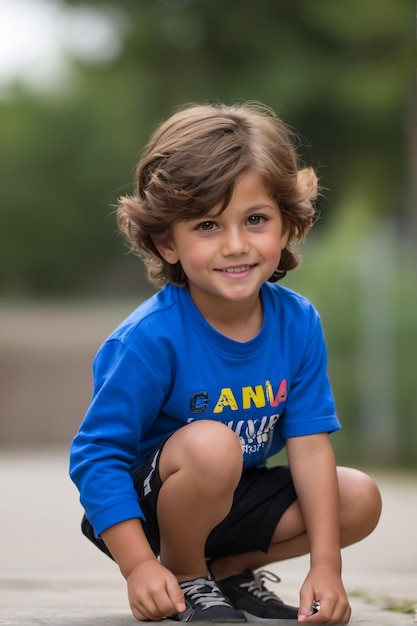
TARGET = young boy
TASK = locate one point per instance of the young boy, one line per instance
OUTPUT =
(210, 377)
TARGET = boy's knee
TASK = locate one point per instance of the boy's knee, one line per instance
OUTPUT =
(361, 499)
(215, 447)
(372, 496)
(207, 449)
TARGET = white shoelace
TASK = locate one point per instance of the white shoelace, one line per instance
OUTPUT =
(257, 586)
(197, 591)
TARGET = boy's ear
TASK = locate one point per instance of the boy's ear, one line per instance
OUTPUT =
(284, 238)
(285, 234)
(166, 248)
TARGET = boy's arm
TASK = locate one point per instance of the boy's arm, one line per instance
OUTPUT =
(153, 590)
(313, 470)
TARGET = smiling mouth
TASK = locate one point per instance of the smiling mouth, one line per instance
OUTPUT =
(237, 270)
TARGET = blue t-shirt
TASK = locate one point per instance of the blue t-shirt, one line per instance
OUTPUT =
(165, 366)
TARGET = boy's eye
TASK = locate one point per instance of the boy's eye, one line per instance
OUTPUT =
(253, 220)
(208, 225)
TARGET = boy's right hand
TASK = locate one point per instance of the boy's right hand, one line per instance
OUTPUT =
(154, 592)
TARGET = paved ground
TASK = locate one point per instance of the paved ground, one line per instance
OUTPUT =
(50, 575)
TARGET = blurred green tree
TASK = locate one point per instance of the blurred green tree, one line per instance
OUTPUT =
(341, 74)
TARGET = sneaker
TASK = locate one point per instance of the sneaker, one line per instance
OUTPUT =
(248, 593)
(205, 601)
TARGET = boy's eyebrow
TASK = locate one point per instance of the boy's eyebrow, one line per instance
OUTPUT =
(261, 205)
(254, 207)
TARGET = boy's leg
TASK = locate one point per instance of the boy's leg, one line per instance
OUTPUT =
(185, 488)
(200, 466)
(360, 508)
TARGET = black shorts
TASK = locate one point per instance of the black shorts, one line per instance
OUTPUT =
(261, 497)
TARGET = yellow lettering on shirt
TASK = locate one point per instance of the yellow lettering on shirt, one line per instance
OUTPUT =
(255, 395)
(226, 398)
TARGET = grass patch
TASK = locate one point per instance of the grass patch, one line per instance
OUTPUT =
(387, 603)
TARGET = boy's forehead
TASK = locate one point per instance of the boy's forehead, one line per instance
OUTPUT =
(248, 190)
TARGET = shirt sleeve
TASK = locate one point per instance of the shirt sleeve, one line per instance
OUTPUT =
(310, 407)
(106, 446)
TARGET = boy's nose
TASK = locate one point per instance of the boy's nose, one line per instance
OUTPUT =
(234, 242)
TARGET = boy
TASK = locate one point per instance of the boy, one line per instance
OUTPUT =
(210, 377)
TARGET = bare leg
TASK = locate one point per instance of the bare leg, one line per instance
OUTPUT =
(360, 508)
(200, 467)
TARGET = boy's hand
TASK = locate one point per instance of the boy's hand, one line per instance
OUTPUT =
(324, 585)
(154, 592)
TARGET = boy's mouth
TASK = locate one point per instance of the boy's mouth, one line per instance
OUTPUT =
(236, 270)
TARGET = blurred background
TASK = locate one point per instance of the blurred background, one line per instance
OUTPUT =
(82, 84)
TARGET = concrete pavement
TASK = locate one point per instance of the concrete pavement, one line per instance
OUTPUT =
(49, 574)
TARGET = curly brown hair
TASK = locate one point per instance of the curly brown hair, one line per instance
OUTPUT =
(191, 163)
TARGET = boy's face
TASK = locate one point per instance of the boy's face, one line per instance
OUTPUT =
(228, 256)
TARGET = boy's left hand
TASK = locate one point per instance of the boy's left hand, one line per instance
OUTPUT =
(324, 585)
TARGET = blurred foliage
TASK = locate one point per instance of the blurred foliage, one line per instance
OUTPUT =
(340, 73)
(363, 281)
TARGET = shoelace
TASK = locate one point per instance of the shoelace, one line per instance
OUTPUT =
(257, 586)
(197, 591)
